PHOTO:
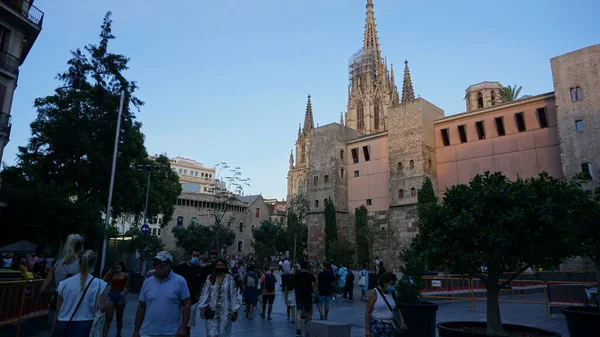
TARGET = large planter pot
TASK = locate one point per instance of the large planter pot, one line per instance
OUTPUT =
(461, 329)
(420, 319)
(581, 321)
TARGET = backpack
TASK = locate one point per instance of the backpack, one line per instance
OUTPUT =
(270, 282)
(350, 276)
(250, 280)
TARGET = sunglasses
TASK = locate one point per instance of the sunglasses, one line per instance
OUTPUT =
(157, 262)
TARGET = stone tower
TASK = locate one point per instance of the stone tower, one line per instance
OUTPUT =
(297, 181)
(482, 95)
(576, 88)
(372, 89)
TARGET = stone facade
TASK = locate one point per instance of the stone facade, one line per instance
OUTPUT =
(576, 77)
(197, 208)
(327, 179)
(297, 175)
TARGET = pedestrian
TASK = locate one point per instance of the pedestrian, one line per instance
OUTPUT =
(290, 300)
(250, 291)
(79, 298)
(117, 296)
(66, 266)
(381, 304)
(363, 282)
(268, 281)
(192, 273)
(326, 285)
(164, 304)
(349, 285)
(219, 302)
(305, 285)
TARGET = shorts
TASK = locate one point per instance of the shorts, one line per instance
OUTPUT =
(290, 301)
(116, 297)
(304, 304)
(324, 299)
(268, 299)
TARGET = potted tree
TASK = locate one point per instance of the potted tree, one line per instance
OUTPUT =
(493, 226)
(419, 316)
(583, 319)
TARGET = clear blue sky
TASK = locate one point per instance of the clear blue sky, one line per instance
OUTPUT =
(227, 80)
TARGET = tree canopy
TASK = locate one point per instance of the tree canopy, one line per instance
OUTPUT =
(509, 94)
(331, 232)
(493, 225)
(365, 235)
(61, 180)
(297, 230)
(202, 237)
(269, 239)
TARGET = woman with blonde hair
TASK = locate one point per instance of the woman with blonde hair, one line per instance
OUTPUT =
(66, 266)
(79, 298)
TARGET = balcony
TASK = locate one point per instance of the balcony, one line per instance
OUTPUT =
(9, 63)
(26, 10)
(5, 125)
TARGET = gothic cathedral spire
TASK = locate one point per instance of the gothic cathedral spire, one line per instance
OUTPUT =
(371, 40)
(408, 93)
(309, 123)
(371, 91)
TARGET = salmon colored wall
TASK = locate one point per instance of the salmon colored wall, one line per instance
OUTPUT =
(516, 154)
(374, 175)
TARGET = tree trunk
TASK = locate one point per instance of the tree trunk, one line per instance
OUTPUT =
(597, 265)
(494, 322)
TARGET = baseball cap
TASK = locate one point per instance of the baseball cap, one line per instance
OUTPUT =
(164, 256)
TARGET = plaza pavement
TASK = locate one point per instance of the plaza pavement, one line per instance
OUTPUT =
(353, 313)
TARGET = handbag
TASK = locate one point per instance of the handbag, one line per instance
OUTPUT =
(66, 332)
(362, 280)
(397, 321)
(99, 317)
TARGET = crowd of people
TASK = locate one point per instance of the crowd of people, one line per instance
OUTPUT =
(175, 298)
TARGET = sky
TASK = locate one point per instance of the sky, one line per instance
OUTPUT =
(227, 80)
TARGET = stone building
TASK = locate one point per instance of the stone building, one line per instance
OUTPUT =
(388, 144)
(277, 211)
(198, 208)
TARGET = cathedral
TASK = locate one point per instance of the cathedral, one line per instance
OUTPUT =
(372, 97)
(386, 144)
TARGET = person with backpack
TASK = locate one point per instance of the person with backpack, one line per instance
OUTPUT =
(268, 281)
(250, 290)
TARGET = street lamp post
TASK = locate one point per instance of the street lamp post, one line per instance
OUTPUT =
(148, 169)
(112, 182)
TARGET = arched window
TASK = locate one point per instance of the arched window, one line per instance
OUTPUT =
(303, 154)
(400, 167)
(413, 192)
(326, 179)
(401, 194)
(479, 100)
(412, 164)
(493, 94)
(376, 113)
(360, 116)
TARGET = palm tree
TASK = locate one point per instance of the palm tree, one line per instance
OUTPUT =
(509, 94)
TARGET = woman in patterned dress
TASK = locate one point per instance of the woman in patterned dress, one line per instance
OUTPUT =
(219, 295)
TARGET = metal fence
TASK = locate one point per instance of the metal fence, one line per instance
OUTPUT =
(20, 300)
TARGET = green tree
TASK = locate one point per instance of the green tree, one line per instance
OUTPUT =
(365, 234)
(229, 184)
(498, 226)
(297, 229)
(192, 236)
(331, 234)
(509, 94)
(588, 232)
(147, 245)
(342, 253)
(267, 239)
(65, 182)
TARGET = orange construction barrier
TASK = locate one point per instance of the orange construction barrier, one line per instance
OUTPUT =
(20, 300)
(448, 288)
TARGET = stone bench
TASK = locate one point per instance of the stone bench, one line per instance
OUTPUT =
(327, 329)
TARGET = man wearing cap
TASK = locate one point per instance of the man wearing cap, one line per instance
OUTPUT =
(164, 304)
